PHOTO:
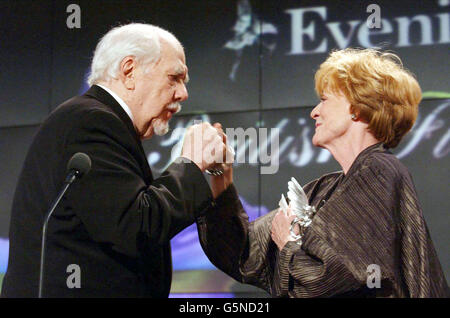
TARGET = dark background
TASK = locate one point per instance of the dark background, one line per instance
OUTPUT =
(43, 63)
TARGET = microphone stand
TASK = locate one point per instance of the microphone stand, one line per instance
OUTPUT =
(69, 179)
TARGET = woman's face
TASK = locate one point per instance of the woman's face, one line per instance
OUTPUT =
(333, 119)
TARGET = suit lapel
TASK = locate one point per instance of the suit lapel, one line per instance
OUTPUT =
(104, 97)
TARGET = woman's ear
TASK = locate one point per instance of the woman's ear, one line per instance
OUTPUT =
(354, 113)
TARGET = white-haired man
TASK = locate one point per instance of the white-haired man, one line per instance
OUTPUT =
(114, 224)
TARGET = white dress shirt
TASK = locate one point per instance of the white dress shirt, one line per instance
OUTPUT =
(119, 100)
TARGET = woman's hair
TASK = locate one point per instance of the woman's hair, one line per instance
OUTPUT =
(143, 41)
(381, 92)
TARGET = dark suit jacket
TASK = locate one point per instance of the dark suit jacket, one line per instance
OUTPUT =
(115, 223)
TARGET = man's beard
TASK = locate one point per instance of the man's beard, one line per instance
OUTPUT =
(160, 125)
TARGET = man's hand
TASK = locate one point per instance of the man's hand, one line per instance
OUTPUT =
(220, 183)
(204, 145)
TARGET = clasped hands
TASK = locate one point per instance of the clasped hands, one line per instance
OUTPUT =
(206, 146)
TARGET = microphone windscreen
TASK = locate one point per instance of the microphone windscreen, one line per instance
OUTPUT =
(81, 162)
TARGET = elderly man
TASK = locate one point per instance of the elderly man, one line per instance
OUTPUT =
(115, 224)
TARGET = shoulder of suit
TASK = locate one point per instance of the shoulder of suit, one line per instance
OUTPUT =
(83, 113)
(80, 105)
(80, 109)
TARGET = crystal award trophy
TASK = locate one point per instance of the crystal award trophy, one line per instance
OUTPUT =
(298, 202)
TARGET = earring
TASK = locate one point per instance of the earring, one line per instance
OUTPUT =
(353, 117)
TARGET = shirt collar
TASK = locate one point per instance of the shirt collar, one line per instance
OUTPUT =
(119, 100)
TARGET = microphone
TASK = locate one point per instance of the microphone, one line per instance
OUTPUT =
(78, 166)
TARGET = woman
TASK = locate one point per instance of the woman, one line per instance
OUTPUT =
(368, 237)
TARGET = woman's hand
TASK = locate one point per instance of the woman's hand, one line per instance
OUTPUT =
(281, 225)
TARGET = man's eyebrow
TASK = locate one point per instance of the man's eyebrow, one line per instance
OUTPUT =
(180, 71)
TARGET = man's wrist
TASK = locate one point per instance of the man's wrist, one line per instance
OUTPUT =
(186, 159)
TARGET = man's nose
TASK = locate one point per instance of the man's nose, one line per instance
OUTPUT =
(181, 94)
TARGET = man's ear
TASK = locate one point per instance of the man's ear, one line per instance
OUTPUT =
(127, 71)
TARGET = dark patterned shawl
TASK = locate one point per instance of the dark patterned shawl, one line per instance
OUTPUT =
(371, 215)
